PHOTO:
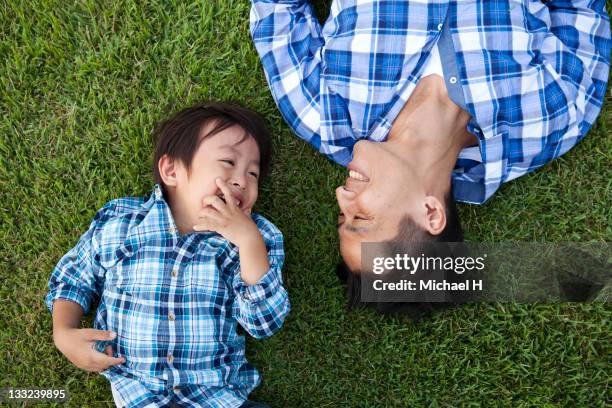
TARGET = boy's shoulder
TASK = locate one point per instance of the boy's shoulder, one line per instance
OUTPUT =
(118, 208)
(113, 222)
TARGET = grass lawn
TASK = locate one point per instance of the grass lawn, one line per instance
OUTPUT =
(82, 85)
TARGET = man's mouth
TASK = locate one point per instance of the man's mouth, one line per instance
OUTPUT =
(357, 174)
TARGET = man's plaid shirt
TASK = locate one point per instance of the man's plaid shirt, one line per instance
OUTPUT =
(533, 74)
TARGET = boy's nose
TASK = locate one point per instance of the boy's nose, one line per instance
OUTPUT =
(238, 182)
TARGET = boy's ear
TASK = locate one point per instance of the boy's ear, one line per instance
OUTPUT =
(167, 170)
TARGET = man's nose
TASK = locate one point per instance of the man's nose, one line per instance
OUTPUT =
(345, 198)
(358, 146)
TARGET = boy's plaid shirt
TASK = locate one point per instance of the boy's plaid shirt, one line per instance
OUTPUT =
(533, 74)
(174, 301)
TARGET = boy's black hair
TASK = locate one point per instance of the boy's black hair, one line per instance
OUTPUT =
(179, 135)
(409, 233)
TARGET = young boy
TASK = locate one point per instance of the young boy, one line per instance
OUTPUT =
(175, 273)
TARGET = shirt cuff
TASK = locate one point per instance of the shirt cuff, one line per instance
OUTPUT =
(65, 291)
(267, 285)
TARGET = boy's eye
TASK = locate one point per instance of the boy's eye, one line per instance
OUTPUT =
(230, 162)
(253, 174)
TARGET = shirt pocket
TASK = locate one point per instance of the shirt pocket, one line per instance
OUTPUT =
(139, 325)
(211, 299)
(138, 269)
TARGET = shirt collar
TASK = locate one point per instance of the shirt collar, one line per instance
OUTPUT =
(155, 219)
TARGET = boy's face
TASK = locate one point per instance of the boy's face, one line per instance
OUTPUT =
(227, 155)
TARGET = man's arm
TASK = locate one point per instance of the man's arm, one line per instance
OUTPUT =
(288, 38)
(578, 49)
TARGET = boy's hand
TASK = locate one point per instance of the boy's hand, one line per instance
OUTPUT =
(227, 219)
(78, 347)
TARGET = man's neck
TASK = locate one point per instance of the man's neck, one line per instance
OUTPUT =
(429, 133)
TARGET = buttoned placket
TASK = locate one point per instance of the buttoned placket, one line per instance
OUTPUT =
(177, 242)
(174, 272)
(181, 253)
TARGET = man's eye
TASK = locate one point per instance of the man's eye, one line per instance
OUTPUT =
(357, 217)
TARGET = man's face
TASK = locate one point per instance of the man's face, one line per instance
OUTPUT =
(377, 194)
(227, 155)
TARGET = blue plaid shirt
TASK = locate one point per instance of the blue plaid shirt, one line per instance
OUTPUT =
(533, 74)
(174, 301)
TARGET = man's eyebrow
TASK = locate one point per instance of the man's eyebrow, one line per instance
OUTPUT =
(351, 228)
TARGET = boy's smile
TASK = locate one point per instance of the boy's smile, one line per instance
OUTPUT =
(230, 155)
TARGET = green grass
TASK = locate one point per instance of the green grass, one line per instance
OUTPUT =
(82, 86)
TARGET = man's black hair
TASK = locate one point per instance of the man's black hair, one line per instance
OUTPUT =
(409, 234)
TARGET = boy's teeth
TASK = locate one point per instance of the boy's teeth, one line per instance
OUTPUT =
(222, 196)
(356, 175)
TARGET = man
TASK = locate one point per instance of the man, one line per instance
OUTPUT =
(430, 101)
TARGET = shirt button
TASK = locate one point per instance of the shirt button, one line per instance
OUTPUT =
(171, 316)
(452, 80)
(170, 358)
(176, 388)
(440, 27)
(174, 273)
(171, 230)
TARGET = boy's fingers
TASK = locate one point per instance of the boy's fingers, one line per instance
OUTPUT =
(214, 202)
(108, 350)
(103, 361)
(229, 198)
(205, 225)
(93, 334)
(210, 214)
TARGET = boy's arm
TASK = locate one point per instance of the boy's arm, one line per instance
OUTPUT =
(261, 306)
(261, 303)
(78, 344)
(74, 283)
(78, 276)
(287, 36)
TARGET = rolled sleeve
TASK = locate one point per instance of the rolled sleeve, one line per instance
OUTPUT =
(63, 291)
(78, 275)
(288, 39)
(262, 308)
(262, 290)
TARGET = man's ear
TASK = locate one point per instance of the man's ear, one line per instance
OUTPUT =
(436, 215)
(167, 170)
